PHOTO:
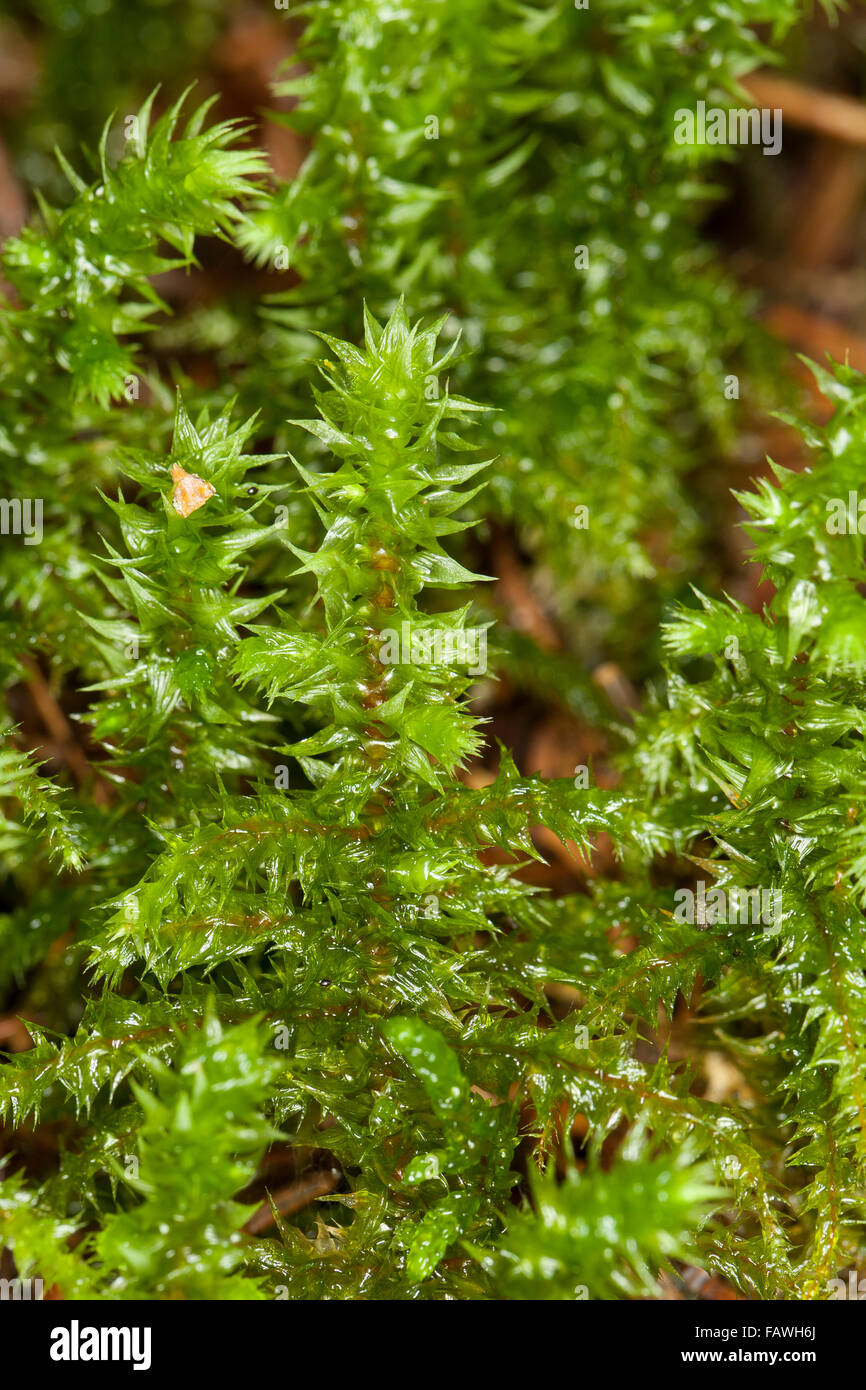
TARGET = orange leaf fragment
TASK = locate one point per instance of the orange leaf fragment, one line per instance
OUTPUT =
(190, 491)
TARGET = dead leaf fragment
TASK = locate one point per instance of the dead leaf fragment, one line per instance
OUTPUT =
(190, 491)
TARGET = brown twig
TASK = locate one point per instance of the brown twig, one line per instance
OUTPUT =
(13, 204)
(14, 1034)
(816, 334)
(293, 1198)
(55, 722)
(842, 118)
(249, 57)
(525, 612)
(831, 198)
